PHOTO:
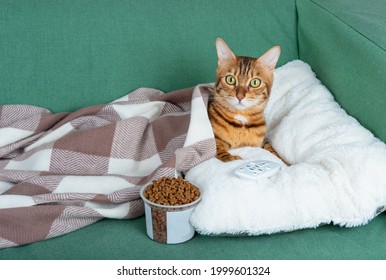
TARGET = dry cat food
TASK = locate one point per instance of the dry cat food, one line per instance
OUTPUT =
(171, 191)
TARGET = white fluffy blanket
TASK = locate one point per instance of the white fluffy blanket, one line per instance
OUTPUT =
(337, 173)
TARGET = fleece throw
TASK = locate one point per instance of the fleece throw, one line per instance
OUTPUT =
(337, 173)
(60, 172)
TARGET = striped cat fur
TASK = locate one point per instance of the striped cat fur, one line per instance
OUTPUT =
(236, 111)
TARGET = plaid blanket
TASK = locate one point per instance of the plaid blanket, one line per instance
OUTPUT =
(60, 172)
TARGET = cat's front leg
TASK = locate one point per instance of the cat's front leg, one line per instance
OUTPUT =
(222, 152)
(267, 146)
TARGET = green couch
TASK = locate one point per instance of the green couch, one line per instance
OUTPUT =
(68, 54)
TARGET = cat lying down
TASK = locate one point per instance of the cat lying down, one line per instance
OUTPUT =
(336, 174)
(242, 89)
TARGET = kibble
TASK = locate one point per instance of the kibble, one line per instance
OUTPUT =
(171, 191)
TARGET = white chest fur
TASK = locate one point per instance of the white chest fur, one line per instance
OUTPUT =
(242, 119)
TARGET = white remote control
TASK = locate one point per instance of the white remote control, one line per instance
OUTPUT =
(257, 169)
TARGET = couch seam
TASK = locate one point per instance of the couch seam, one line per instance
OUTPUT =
(351, 27)
(297, 28)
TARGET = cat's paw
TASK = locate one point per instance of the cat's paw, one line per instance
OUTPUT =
(227, 157)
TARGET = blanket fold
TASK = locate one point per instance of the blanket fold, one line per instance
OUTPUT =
(60, 172)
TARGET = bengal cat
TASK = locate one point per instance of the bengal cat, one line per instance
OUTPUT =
(241, 93)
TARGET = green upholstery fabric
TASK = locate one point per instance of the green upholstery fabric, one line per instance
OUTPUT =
(68, 54)
(115, 239)
(345, 43)
(366, 17)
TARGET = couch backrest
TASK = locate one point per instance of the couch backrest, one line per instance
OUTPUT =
(64, 55)
(344, 42)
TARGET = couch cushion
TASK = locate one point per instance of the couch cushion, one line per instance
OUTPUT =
(127, 240)
(344, 42)
(70, 54)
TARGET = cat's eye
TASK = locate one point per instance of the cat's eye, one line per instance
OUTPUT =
(255, 83)
(230, 80)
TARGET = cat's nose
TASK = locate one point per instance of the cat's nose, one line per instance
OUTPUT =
(240, 96)
(240, 93)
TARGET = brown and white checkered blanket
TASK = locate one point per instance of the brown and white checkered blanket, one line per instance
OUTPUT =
(60, 172)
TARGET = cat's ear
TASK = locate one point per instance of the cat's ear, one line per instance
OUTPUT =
(270, 58)
(224, 53)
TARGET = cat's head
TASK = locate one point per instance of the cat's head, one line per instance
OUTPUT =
(244, 82)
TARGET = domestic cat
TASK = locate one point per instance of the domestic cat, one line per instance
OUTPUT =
(236, 112)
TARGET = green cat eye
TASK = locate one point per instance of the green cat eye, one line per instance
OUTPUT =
(230, 80)
(255, 83)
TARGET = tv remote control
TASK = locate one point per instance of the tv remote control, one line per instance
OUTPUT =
(257, 169)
